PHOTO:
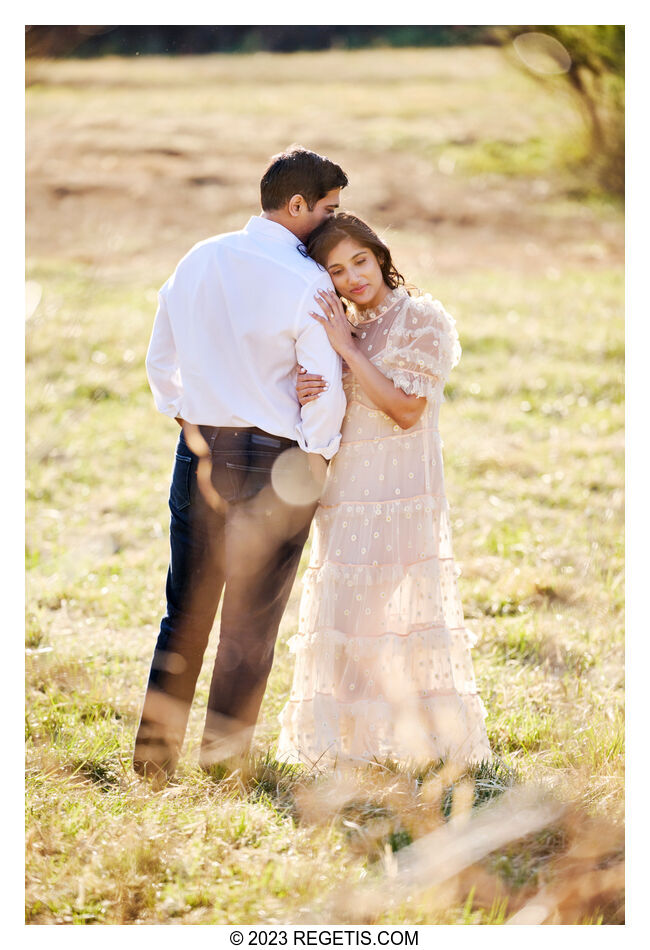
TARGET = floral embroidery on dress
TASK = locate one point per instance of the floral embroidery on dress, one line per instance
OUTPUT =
(382, 656)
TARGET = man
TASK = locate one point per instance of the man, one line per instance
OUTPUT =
(231, 326)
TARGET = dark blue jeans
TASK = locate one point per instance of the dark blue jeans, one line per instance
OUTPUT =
(230, 533)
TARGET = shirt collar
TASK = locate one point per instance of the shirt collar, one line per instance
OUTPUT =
(271, 229)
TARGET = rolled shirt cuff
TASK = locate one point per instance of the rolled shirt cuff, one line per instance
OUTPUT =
(327, 451)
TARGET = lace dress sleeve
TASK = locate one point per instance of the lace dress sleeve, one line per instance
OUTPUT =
(422, 347)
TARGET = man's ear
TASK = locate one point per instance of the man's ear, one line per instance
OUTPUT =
(296, 204)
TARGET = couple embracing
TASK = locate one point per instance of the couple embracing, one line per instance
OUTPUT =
(307, 382)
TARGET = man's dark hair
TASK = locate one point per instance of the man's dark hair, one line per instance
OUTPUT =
(299, 172)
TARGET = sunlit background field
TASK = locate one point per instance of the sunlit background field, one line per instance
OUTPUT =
(470, 169)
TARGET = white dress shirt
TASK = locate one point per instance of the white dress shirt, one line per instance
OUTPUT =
(231, 326)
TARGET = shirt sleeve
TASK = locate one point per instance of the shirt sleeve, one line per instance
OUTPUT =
(319, 429)
(163, 370)
(422, 348)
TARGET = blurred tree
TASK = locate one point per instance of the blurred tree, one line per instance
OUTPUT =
(594, 73)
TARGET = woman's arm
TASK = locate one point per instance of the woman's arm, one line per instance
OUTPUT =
(403, 408)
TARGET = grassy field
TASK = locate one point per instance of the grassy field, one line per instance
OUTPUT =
(468, 167)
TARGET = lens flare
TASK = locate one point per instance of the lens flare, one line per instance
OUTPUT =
(542, 53)
(298, 477)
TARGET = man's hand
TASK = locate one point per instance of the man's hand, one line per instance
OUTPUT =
(318, 467)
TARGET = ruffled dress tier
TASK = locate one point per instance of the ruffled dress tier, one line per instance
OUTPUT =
(383, 668)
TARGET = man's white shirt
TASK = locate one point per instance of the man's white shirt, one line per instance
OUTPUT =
(231, 326)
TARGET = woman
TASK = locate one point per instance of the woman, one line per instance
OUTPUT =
(383, 666)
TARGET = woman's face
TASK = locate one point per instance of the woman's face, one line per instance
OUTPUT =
(356, 274)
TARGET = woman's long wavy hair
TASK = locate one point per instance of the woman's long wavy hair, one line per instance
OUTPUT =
(333, 230)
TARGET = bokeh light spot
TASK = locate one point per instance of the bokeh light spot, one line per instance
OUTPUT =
(298, 477)
(542, 53)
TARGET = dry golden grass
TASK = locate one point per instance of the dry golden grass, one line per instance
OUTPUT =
(463, 162)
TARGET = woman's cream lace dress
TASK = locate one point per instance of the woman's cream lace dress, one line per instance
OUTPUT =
(382, 657)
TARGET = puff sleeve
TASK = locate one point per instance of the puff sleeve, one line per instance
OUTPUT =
(422, 348)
